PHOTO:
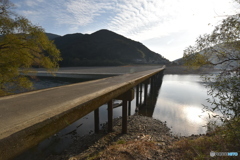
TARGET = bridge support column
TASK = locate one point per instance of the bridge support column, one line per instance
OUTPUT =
(145, 92)
(137, 96)
(124, 117)
(110, 116)
(140, 103)
(129, 108)
(96, 120)
(126, 97)
(152, 83)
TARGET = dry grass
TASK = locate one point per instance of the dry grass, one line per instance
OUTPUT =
(129, 150)
(157, 145)
(221, 140)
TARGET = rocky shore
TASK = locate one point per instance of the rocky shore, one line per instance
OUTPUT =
(147, 138)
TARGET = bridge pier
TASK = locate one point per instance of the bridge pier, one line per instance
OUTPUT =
(153, 79)
(96, 120)
(126, 97)
(143, 88)
(145, 92)
(124, 117)
(137, 96)
(110, 116)
(140, 103)
(129, 108)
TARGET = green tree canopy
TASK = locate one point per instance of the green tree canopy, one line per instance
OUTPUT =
(22, 46)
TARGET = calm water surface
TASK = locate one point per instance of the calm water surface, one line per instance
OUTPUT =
(180, 104)
(178, 101)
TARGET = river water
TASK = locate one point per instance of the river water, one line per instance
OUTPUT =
(177, 100)
(180, 104)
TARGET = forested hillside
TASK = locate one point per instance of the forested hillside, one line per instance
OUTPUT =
(104, 47)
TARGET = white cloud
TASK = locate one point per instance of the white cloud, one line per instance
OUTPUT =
(31, 3)
(29, 12)
(141, 20)
(144, 19)
(79, 13)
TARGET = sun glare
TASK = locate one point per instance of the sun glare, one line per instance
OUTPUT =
(193, 114)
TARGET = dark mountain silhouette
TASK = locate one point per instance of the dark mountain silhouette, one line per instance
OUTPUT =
(52, 36)
(104, 47)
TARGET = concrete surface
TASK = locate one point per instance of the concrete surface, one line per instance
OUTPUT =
(95, 72)
(28, 118)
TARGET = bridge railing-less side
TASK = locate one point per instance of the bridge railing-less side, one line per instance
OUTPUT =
(28, 118)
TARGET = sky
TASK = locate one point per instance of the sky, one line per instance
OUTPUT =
(166, 27)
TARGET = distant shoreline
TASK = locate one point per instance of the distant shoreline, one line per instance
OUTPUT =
(179, 69)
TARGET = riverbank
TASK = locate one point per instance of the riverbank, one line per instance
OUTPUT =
(147, 138)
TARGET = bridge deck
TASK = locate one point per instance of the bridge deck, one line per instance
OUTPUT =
(28, 118)
(96, 72)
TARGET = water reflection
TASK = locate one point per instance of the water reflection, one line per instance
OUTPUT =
(151, 100)
(180, 104)
(178, 101)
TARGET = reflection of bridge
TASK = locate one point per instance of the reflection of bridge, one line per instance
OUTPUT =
(147, 106)
(28, 118)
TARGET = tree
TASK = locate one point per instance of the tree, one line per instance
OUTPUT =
(22, 46)
(221, 50)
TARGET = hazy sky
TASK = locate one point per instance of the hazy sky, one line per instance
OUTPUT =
(164, 26)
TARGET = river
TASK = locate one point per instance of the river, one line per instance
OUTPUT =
(177, 100)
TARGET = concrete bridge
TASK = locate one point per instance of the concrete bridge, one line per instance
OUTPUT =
(95, 72)
(28, 118)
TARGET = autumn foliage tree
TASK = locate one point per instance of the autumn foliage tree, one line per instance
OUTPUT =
(22, 46)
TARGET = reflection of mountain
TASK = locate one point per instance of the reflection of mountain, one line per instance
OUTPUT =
(103, 47)
(148, 109)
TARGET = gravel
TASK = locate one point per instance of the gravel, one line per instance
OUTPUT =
(151, 135)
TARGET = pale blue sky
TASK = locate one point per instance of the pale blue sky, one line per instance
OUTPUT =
(164, 26)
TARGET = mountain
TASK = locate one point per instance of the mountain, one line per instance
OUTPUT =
(104, 47)
(49, 35)
(178, 61)
(52, 36)
(223, 55)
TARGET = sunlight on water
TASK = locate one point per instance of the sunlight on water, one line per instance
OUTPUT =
(192, 114)
(180, 104)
